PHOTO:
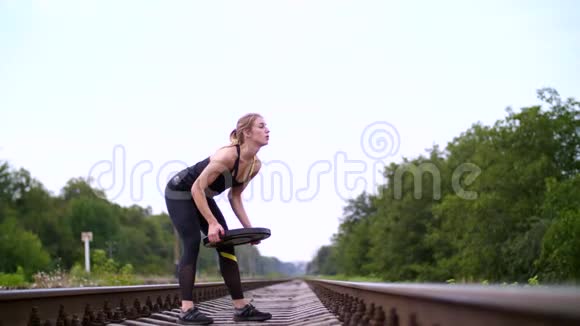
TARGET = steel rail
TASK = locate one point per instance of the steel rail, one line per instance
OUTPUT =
(95, 305)
(361, 303)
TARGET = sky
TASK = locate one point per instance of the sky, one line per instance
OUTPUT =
(129, 92)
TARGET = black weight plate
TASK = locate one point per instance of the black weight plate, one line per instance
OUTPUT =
(239, 236)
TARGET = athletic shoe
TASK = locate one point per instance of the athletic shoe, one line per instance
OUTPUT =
(250, 313)
(193, 317)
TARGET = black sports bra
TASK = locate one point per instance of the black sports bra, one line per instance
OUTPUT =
(183, 180)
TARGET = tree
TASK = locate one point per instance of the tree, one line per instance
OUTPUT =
(19, 247)
(95, 215)
(324, 262)
(560, 248)
(353, 239)
(505, 208)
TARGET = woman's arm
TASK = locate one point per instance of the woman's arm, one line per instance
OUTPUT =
(220, 162)
(235, 198)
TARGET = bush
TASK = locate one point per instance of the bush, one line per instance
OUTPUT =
(13, 281)
(104, 272)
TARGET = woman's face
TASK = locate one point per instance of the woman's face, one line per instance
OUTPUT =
(260, 132)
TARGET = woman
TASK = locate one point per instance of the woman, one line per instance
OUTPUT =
(192, 209)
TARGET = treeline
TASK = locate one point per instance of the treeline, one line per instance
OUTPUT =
(41, 232)
(500, 203)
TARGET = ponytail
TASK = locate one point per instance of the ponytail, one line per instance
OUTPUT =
(234, 137)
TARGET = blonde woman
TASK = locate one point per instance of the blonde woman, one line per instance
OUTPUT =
(192, 209)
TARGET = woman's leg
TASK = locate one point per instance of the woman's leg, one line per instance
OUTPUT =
(183, 214)
(227, 259)
(230, 272)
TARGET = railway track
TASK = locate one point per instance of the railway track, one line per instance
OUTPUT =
(299, 302)
(98, 306)
(356, 303)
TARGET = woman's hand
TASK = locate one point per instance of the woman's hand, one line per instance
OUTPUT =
(215, 232)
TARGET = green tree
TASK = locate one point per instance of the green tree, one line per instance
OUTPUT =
(80, 187)
(353, 239)
(19, 247)
(96, 215)
(560, 248)
(324, 262)
(496, 236)
(490, 206)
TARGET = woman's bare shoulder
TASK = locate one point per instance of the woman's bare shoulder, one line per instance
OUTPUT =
(225, 155)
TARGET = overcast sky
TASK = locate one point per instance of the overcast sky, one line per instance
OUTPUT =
(130, 91)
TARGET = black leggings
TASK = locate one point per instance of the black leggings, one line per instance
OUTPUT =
(188, 222)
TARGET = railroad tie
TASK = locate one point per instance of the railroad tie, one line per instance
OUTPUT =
(290, 303)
